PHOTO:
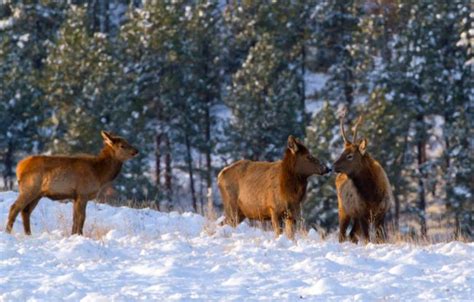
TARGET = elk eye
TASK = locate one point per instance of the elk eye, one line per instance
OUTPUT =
(350, 157)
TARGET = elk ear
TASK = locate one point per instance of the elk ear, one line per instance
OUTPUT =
(108, 139)
(292, 144)
(362, 146)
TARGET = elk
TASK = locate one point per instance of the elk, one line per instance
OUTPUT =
(363, 190)
(269, 190)
(78, 177)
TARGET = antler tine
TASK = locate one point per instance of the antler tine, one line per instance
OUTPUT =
(341, 125)
(356, 126)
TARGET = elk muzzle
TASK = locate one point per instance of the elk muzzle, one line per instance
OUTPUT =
(325, 169)
(337, 167)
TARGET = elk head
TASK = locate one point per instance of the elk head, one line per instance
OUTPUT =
(121, 148)
(350, 161)
(304, 162)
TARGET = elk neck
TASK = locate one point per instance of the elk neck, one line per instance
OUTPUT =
(367, 182)
(107, 166)
(292, 184)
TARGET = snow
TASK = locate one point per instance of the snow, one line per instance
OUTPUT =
(315, 82)
(130, 254)
(313, 107)
(6, 24)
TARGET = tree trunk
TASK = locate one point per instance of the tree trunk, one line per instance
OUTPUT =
(396, 219)
(168, 172)
(158, 167)
(457, 229)
(208, 147)
(401, 163)
(303, 86)
(386, 49)
(92, 12)
(421, 148)
(347, 60)
(448, 185)
(189, 160)
(8, 163)
(201, 185)
(208, 99)
(104, 16)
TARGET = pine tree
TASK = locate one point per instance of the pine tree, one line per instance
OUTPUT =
(22, 54)
(265, 89)
(337, 28)
(320, 209)
(177, 73)
(76, 83)
(426, 79)
(387, 133)
(451, 84)
(337, 53)
(203, 36)
(404, 81)
(86, 92)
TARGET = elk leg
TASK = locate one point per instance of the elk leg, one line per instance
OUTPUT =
(275, 222)
(233, 217)
(15, 208)
(290, 226)
(292, 218)
(231, 210)
(344, 221)
(364, 227)
(79, 215)
(239, 217)
(380, 235)
(82, 217)
(26, 213)
(355, 231)
(230, 219)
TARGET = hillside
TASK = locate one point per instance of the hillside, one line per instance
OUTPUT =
(129, 254)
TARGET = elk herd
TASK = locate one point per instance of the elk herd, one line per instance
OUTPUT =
(265, 191)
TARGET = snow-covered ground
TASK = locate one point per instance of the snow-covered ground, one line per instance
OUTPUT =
(130, 254)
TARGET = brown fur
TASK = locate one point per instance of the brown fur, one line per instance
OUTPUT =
(68, 177)
(269, 190)
(363, 191)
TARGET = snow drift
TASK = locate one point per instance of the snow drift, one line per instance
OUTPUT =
(129, 254)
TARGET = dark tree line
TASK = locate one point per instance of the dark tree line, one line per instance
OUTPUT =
(199, 84)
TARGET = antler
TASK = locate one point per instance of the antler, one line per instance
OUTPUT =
(341, 124)
(354, 136)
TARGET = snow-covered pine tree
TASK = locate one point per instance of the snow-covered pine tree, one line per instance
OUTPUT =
(382, 126)
(266, 91)
(86, 92)
(78, 77)
(338, 25)
(427, 80)
(338, 54)
(320, 209)
(26, 28)
(452, 85)
(175, 50)
(204, 50)
(404, 83)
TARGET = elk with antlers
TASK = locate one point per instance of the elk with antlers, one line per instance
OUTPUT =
(363, 189)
